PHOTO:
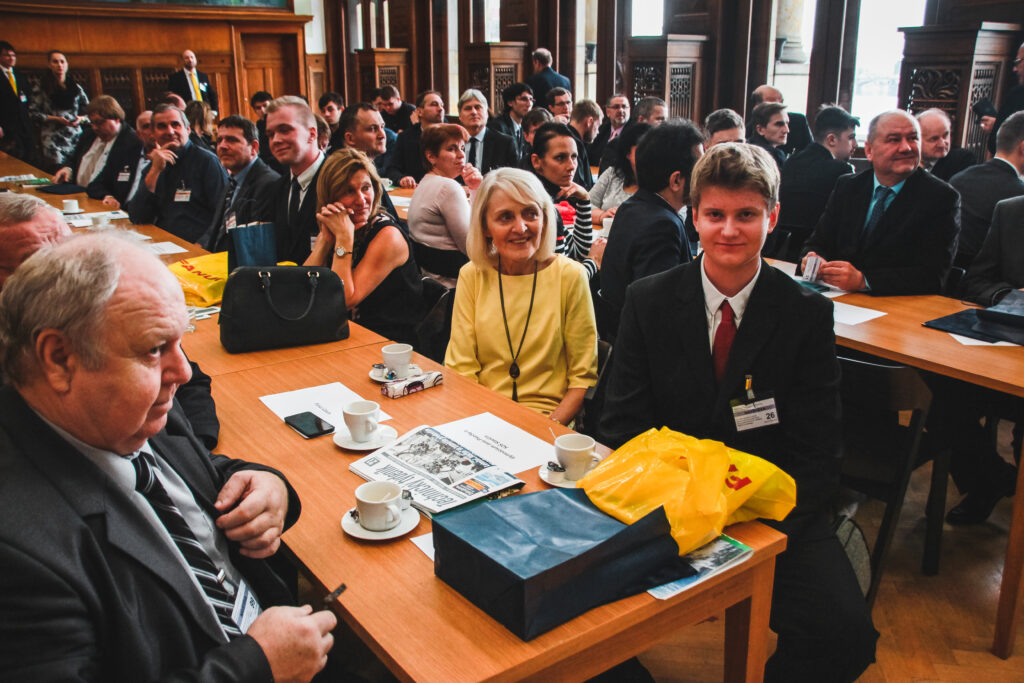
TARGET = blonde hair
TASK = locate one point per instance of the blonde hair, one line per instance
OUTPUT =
(736, 166)
(521, 187)
(336, 172)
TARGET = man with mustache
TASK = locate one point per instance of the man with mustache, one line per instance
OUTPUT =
(891, 229)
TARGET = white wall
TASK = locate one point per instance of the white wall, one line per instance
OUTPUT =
(316, 44)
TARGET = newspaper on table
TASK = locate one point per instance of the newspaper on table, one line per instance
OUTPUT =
(715, 557)
(450, 465)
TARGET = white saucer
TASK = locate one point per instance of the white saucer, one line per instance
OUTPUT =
(410, 518)
(73, 213)
(384, 436)
(377, 374)
(544, 473)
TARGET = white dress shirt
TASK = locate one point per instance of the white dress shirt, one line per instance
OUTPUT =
(713, 300)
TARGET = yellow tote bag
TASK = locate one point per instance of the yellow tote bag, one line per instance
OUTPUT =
(202, 278)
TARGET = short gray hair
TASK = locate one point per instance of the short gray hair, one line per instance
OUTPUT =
(64, 288)
(20, 208)
(933, 112)
(161, 108)
(522, 187)
(873, 126)
(472, 94)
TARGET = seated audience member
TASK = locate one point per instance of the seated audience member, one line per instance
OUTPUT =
(361, 128)
(331, 104)
(259, 103)
(771, 129)
(691, 339)
(537, 117)
(559, 103)
(105, 160)
(799, 131)
(523, 323)
(584, 122)
(936, 156)
(439, 212)
(200, 120)
(95, 404)
(723, 125)
(544, 77)
(618, 183)
(810, 175)
(396, 113)
(407, 158)
(518, 99)
(647, 236)
(954, 421)
(291, 128)
(554, 161)
(983, 185)
(649, 110)
(891, 229)
(366, 248)
(616, 115)
(487, 149)
(323, 133)
(251, 183)
(184, 182)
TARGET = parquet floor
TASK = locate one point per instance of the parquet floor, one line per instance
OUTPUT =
(933, 628)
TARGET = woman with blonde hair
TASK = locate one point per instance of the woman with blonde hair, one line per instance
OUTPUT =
(523, 322)
(366, 248)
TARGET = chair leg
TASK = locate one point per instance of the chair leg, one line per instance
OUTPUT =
(885, 533)
(935, 511)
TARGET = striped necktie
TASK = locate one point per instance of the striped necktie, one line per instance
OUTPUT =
(210, 579)
(195, 86)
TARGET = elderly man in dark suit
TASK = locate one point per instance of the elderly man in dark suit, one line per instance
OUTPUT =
(189, 83)
(647, 234)
(983, 185)
(249, 195)
(936, 155)
(107, 155)
(486, 149)
(809, 176)
(891, 229)
(695, 342)
(148, 562)
(545, 78)
(15, 126)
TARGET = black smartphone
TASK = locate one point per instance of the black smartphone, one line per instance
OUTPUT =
(309, 425)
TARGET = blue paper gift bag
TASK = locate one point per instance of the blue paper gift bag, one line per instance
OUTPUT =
(536, 560)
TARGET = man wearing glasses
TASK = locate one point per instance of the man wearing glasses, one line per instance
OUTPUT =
(1013, 102)
(616, 114)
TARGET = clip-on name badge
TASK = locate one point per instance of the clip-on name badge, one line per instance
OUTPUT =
(754, 411)
(182, 194)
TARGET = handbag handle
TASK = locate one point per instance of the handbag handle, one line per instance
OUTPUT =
(313, 278)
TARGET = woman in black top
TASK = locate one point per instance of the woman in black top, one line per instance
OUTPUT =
(57, 107)
(363, 245)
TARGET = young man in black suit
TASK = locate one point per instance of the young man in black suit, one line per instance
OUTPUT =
(190, 83)
(799, 131)
(107, 155)
(518, 99)
(891, 229)
(771, 130)
(810, 175)
(695, 341)
(15, 126)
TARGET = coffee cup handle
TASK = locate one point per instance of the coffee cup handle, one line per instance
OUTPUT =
(394, 513)
(371, 425)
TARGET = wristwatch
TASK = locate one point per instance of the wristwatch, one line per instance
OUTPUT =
(341, 251)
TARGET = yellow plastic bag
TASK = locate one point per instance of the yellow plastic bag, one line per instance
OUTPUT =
(703, 485)
(202, 278)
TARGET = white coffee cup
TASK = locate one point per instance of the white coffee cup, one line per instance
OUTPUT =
(575, 452)
(397, 357)
(71, 205)
(380, 505)
(361, 418)
(102, 222)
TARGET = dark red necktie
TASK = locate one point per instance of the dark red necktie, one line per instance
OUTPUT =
(724, 335)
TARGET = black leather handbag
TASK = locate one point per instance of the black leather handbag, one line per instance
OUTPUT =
(271, 307)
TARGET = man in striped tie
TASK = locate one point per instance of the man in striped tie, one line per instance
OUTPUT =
(192, 84)
(128, 551)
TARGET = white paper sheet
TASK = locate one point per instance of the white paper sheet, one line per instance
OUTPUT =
(325, 401)
(499, 442)
(16, 178)
(112, 215)
(854, 315)
(425, 543)
(78, 221)
(968, 341)
(398, 200)
(160, 248)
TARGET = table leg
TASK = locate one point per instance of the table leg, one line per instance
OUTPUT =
(746, 629)
(1008, 610)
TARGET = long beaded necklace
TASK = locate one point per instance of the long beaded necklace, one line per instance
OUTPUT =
(513, 369)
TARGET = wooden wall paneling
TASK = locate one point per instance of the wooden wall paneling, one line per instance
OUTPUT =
(830, 31)
(492, 67)
(316, 76)
(688, 16)
(670, 67)
(382, 66)
(516, 24)
(439, 63)
(411, 28)
(972, 12)
(336, 42)
(612, 56)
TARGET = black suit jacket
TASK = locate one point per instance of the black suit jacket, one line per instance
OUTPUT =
(401, 119)
(981, 187)
(544, 80)
(910, 250)
(177, 83)
(957, 160)
(407, 158)
(253, 201)
(799, 133)
(504, 124)
(776, 152)
(662, 375)
(124, 159)
(808, 178)
(647, 237)
(999, 266)
(1013, 102)
(583, 176)
(87, 590)
(499, 151)
(293, 241)
(14, 119)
